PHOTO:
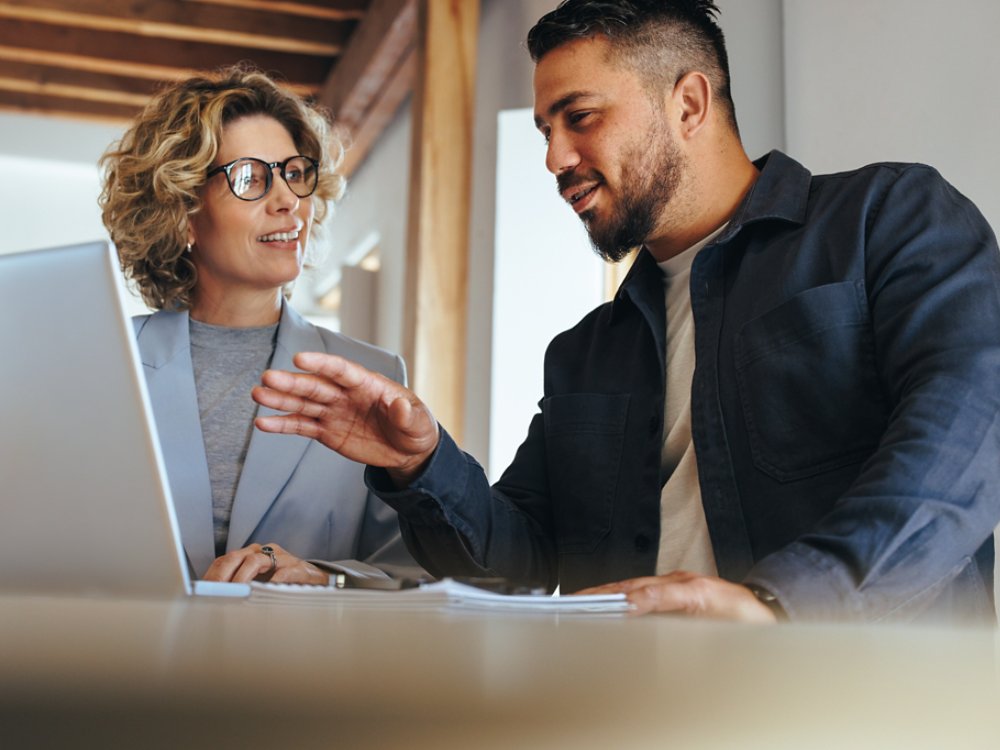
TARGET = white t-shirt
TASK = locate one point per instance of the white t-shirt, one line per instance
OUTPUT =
(684, 540)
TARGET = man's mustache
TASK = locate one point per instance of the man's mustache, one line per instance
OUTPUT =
(572, 179)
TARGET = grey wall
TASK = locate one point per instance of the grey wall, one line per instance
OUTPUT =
(754, 32)
(905, 80)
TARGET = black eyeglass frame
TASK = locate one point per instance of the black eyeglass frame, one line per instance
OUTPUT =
(269, 180)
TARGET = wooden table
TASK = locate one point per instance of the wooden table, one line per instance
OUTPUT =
(108, 673)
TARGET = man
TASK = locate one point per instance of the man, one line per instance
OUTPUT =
(790, 407)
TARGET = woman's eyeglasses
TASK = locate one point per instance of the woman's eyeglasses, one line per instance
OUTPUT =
(250, 179)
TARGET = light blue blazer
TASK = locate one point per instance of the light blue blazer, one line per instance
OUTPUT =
(293, 490)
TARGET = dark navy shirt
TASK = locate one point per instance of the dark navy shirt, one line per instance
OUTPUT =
(845, 413)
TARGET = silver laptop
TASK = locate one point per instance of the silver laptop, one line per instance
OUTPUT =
(84, 502)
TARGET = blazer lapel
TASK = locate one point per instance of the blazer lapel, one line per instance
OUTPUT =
(271, 458)
(165, 346)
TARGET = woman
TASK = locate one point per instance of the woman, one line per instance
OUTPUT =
(211, 197)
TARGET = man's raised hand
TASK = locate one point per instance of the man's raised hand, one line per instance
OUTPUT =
(360, 414)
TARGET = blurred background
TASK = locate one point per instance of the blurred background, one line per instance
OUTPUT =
(446, 171)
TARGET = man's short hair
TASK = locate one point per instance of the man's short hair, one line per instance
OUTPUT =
(662, 40)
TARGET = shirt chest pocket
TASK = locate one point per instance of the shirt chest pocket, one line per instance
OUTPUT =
(584, 434)
(808, 383)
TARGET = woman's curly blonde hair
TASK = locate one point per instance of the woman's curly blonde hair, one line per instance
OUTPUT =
(153, 174)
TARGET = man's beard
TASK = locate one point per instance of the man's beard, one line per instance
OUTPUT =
(648, 182)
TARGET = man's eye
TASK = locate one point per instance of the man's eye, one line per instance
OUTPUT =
(577, 117)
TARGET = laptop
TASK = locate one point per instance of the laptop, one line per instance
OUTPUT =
(85, 506)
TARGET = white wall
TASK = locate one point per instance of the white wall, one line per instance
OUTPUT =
(50, 183)
(48, 203)
(545, 278)
(902, 80)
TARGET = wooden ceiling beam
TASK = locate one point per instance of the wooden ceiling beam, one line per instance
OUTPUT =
(372, 57)
(78, 84)
(369, 129)
(374, 76)
(155, 75)
(109, 51)
(29, 103)
(331, 10)
(186, 21)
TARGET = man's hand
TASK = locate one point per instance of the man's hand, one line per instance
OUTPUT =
(254, 563)
(359, 414)
(689, 594)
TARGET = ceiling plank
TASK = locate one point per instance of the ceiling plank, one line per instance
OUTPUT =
(82, 84)
(332, 10)
(28, 103)
(213, 24)
(154, 74)
(372, 57)
(108, 51)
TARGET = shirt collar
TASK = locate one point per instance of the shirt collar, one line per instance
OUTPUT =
(781, 193)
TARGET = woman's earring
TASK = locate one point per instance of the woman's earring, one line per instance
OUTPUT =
(188, 249)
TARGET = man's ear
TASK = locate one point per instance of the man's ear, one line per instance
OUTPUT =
(693, 99)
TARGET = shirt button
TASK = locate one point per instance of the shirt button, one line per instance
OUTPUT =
(654, 425)
(642, 543)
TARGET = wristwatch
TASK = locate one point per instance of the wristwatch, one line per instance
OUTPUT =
(769, 600)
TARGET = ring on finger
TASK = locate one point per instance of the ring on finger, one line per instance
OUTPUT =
(268, 550)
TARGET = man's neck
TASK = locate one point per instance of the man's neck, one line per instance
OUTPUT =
(712, 198)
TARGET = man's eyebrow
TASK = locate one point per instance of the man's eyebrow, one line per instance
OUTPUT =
(559, 105)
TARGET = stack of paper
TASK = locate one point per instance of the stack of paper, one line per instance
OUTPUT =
(440, 595)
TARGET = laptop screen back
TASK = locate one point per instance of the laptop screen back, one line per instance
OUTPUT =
(85, 505)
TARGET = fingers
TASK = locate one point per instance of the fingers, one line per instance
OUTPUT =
(666, 597)
(407, 417)
(325, 380)
(252, 563)
(296, 391)
(686, 593)
(336, 369)
(325, 377)
(289, 424)
(334, 388)
(300, 571)
(242, 565)
(632, 584)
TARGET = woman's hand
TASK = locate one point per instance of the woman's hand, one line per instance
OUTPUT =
(254, 563)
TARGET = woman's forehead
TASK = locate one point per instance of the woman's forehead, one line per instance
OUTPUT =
(256, 135)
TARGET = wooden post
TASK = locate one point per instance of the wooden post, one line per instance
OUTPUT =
(439, 207)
